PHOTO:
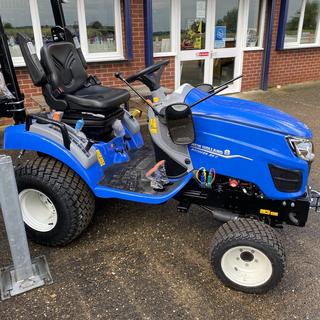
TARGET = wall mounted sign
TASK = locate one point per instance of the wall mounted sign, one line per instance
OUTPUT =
(201, 9)
(203, 54)
(220, 37)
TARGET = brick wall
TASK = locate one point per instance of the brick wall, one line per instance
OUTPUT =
(252, 61)
(104, 70)
(292, 66)
(288, 66)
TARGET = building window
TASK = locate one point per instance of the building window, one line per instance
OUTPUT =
(16, 17)
(226, 23)
(255, 23)
(193, 25)
(100, 24)
(161, 13)
(97, 23)
(47, 19)
(100, 29)
(302, 24)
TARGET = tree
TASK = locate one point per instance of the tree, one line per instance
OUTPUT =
(229, 20)
(96, 25)
(311, 15)
(7, 25)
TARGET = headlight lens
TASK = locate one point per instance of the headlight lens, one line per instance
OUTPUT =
(303, 148)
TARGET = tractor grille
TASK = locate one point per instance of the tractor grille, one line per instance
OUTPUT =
(286, 180)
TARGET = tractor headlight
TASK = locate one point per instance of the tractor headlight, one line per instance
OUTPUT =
(303, 148)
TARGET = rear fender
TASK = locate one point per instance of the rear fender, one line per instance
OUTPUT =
(17, 138)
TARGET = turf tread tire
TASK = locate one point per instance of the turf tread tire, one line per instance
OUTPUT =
(68, 188)
(248, 231)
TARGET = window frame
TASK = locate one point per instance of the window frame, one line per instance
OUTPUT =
(34, 13)
(281, 44)
(262, 22)
(100, 56)
(117, 55)
(174, 7)
(175, 28)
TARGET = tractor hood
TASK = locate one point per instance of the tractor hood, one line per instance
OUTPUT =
(247, 113)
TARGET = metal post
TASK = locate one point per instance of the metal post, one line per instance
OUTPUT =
(25, 274)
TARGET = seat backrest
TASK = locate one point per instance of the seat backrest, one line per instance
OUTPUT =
(63, 66)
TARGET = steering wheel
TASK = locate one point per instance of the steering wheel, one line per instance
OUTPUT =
(150, 76)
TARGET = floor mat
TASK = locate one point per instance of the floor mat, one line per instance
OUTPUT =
(130, 176)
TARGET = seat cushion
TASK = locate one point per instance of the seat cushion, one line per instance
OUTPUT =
(97, 99)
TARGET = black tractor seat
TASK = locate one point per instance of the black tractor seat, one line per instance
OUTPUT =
(67, 87)
(97, 98)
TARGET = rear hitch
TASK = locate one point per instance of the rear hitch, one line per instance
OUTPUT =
(315, 200)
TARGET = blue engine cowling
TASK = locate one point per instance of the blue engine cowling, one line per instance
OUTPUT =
(247, 141)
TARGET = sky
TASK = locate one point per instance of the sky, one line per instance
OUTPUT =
(17, 12)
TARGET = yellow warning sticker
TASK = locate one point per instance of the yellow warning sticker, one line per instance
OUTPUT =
(269, 212)
(100, 158)
(153, 126)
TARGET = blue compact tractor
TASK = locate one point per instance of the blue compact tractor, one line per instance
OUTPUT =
(245, 163)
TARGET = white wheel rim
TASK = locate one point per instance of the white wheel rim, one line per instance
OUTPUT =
(38, 211)
(246, 266)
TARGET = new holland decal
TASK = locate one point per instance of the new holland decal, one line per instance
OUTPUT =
(213, 152)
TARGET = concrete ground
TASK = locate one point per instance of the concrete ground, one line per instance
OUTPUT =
(149, 262)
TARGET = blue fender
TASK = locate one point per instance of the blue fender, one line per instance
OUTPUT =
(17, 138)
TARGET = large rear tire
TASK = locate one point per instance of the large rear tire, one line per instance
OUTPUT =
(56, 203)
(248, 256)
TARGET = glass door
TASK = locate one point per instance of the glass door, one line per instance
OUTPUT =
(210, 42)
(226, 50)
(194, 48)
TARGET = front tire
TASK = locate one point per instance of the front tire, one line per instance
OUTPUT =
(56, 203)
(248, 256)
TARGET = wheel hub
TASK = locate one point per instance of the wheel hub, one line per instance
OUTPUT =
(38, 210)
(247, 256)
(246, 266)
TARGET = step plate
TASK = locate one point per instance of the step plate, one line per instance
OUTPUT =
(130, 176)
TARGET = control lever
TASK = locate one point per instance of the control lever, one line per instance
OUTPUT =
(119, 76)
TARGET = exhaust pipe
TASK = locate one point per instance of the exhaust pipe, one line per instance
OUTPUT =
(222, 215)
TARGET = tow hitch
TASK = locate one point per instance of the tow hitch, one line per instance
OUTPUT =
(315, 200)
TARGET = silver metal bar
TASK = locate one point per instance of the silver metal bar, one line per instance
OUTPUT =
(13, 220)
(25, 274)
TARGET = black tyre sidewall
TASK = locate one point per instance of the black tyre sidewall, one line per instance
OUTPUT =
(276, 262)
(60, 202)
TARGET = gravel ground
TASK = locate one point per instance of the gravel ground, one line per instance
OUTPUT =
(149, 262)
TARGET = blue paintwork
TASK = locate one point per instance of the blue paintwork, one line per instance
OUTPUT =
(247, 113)
(237, 138)
(104, 192)
(252, 133)
(16, 138)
